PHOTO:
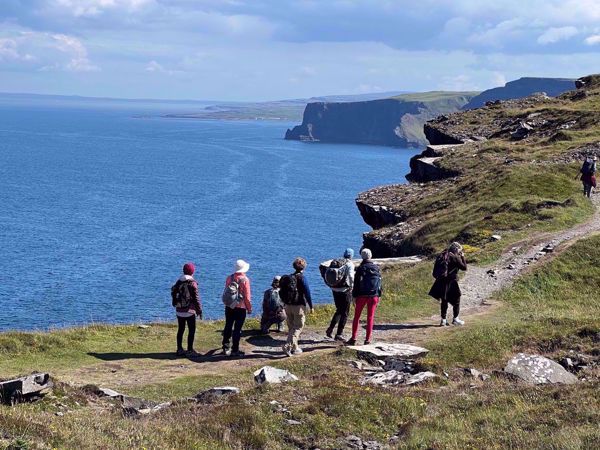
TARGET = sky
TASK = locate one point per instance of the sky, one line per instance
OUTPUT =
(278, 49)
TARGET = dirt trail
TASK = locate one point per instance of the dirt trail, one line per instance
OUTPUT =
(478, 285)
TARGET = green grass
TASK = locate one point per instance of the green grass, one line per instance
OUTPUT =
(434, 96)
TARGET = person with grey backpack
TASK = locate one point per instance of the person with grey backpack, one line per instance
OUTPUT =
(339, 276)
(237, 299)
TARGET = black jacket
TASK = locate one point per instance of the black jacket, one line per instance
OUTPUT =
(447, 288)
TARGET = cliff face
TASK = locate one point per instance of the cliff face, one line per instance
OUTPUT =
(522, 87)
(395, 121)
(482, 174)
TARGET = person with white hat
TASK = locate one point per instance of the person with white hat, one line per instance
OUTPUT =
(237, 298)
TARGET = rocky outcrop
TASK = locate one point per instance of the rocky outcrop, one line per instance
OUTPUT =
(396, 121)
(522, 87)
(424, 167)
(536, 369)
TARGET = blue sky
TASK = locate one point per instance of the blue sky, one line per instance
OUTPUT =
(274, 49)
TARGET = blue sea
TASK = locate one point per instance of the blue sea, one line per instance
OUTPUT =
(100, 206)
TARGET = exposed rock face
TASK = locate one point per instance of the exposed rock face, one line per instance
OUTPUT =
(272, 375)
(395, 121)
(213, 394)
(536, 369)
(14, 391)
(522, 88)
(423, 167)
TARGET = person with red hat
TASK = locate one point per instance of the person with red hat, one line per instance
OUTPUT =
(186, 300)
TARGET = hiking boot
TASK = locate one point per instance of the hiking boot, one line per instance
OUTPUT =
(238, 353)
(329, 333)
(443, 323)
(297, 351)
(286, 350)
(351, 341)
(339, 337)
(457, 321)
(180, 352)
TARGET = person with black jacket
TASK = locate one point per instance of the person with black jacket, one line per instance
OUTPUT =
(366, 292)
(186, 300)
(446, 288)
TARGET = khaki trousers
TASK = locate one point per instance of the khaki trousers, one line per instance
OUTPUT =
(296, 316)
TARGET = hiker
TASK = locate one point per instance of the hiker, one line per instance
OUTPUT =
(273, 308)
(366, 291)
(588, 175)
(237, 299)
(295, 294)
(186, 300)
(445, 288)
(339, 276)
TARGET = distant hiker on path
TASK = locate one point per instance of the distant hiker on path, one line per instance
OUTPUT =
(446, 288)
(588, 175)
(237, 299)
(273, 308)
(186, 300)
(339, 276)
(295, 294)
(366, 292)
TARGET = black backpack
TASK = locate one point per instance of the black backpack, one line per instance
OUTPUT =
(588, 167)
(337, 275)
(182, 296)
(288, 290)
(440, 267)
(370, 280)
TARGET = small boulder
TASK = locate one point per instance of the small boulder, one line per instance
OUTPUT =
(382, 351)
(214, 394)
(536, 369)
(138, 406)
(496, 237)
(272, 375)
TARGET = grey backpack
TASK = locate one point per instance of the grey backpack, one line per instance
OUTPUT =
(232, 296)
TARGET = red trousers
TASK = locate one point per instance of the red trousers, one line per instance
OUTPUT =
(371, 304)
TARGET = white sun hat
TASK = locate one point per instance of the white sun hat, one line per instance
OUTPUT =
(241, 266)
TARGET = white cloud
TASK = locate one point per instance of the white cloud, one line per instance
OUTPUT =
(498, 79)
(155, 67)
(594, 39)
(556, 34)
(91, 8)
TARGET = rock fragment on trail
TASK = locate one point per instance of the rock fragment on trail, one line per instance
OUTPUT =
(353, 442)
(133, 406)
(477, 374)
(272, 375)
(25, 388)
(536, 369)
(396, 377)
(496, 237)
(383, 351)
(213, 394)
(105, 392)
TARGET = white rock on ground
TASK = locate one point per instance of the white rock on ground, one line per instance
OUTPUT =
(272, 375)
(536, 369)
(394, 377)
(384, 351)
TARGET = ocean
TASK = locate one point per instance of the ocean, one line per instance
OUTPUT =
(100, 206)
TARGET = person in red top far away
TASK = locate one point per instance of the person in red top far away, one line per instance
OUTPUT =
(186, 300)
(236, 316)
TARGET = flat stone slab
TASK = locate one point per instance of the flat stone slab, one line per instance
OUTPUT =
(11, 391)
(536, 369)
(215, 393)
(273, 375)
(395, 377)
(384, 351)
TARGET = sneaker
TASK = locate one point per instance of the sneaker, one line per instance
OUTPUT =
(339, 337)
(329, 334)
(286, 350)
(227, 352)
(367, 342)
(238, 353)
(443, 323)
(351, 341)
(457, 321)
(297, 351)
(180, 352)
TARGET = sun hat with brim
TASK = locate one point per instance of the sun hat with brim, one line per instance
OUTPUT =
(241, 266)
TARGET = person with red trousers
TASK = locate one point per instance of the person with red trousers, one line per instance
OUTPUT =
(366, 292)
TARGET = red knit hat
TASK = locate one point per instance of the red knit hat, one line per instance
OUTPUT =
(189, 268)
